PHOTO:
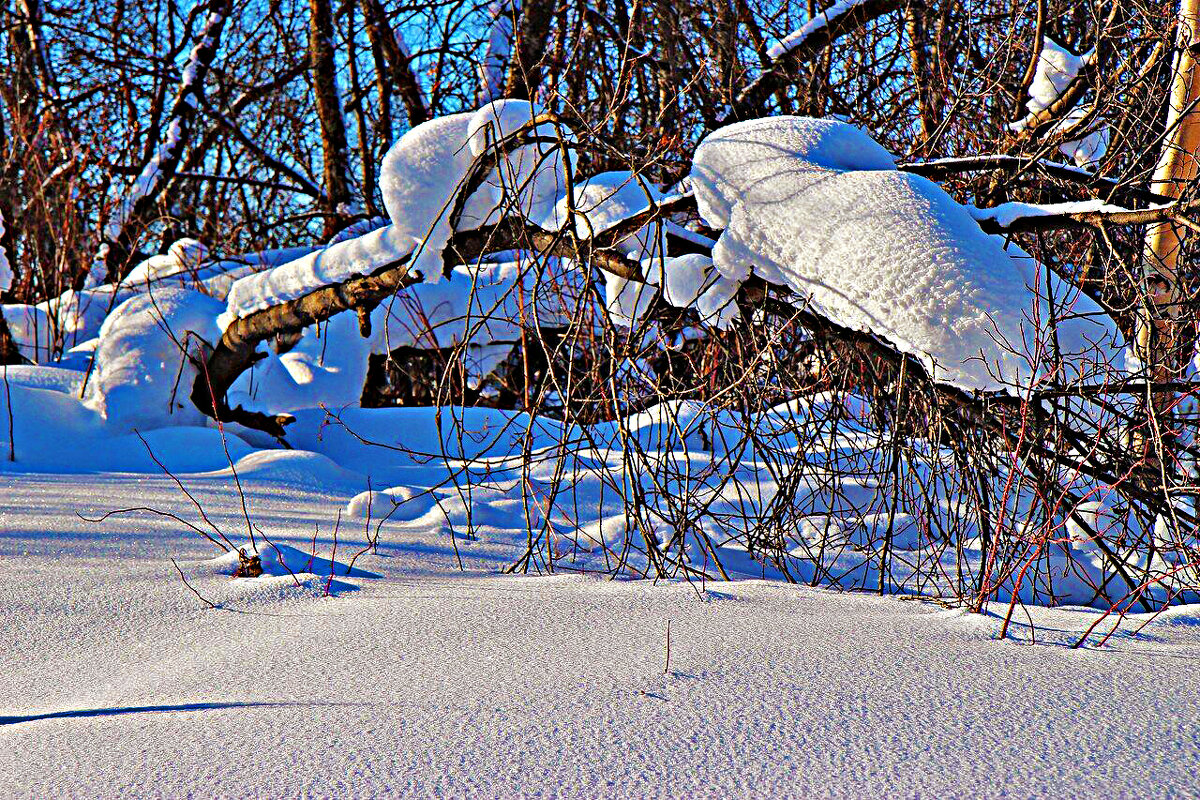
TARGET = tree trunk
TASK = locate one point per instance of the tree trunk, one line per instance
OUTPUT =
(1159, 344)
(400, 76)
(336, 169)
(533, 33)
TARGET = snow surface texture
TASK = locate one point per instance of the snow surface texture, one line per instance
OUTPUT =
(814, 205)
(412, 678)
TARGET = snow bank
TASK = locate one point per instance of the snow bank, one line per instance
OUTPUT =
(53, 432)
(142, 377)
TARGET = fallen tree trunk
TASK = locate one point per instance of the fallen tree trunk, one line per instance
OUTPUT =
(238, 349)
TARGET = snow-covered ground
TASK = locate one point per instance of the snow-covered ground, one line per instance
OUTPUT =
(414, 677)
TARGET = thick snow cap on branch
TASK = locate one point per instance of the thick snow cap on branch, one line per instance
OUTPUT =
(531, 177)
(759, 155)
(1056, 68)
(420, 178)
(606, 200)
(812, 205)
(1088, 150)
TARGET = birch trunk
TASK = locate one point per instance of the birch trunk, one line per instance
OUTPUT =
(1159, 338)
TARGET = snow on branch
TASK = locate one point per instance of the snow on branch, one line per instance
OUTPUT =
(840, 19)
(1018, 217)
(938, 169)
(6, 271)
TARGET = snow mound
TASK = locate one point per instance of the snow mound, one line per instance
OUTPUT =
(143, 376)
(288, 573)
(328, 365)
(52, 431)
(396, 504)
(184, 257)
(295, 468)
(280, 559)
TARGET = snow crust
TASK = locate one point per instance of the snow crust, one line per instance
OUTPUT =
(414, 676)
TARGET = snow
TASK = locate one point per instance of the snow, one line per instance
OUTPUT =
(6, 272)
(185, 256)
(413, 677)
(531, 178)
(1057, 67)
(605, 200)
(1088, 150)
(333, 264)
(481, 308)
(143, 377)
(754, 157)
(419, 178)
(1055, 70)
(801, 34)
(1006, 214)
(885, 251)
